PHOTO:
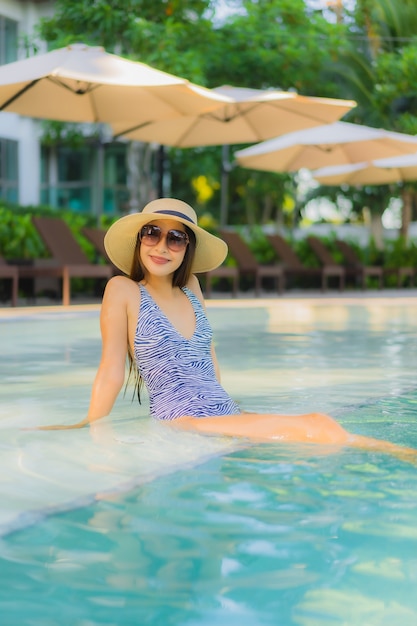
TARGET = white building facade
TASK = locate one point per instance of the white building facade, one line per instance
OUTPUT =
(20, 163)
(60, 175)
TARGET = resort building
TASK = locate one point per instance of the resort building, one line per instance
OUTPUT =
(35, 170)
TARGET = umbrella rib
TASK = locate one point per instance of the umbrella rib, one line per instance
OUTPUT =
(29, 86)
(229, 118)
(185, 134)
(239, 111)
(78, 92)
(305, 115)
(326, 147)
(213, 115)
(244, 115)
(19, 93)
(132, 129)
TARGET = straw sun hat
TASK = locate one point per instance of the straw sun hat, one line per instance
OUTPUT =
(120, 239)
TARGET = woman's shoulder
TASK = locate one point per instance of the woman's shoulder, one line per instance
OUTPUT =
(121, 297)
(121, 282)
(194, 286)
(119, 286)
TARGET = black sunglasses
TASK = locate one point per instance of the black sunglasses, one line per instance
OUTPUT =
(176, 240)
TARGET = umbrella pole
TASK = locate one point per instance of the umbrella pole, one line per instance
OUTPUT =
(100, 181)
(406, 213)
(224, 197)
(160, 171)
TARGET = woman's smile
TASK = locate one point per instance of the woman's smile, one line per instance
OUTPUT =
(159, 260)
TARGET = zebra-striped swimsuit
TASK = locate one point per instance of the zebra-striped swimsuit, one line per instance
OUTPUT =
(178, 372)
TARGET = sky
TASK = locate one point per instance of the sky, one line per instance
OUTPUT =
(230, 7)
(226, 8)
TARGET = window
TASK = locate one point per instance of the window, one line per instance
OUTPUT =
(9, 188)
(115, 193)
(8, 40)
(70, 178)
(66, 177)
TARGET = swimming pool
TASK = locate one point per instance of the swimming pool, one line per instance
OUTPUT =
(142, 525)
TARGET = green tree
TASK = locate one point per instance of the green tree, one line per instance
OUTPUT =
(277, 43)
(379, 70)
(167, 34)
(269, 44)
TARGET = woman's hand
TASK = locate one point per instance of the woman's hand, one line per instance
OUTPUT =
(100, 429)
(62, 426)
(84, 422)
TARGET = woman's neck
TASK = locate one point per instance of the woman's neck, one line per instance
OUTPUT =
(161, 285)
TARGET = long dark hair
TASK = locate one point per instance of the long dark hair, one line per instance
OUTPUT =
(180, 278)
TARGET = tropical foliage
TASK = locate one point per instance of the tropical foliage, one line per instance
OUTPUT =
(368, 53)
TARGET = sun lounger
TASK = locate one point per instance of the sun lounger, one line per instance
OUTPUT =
(10, 272)
(248, 264)
(292, 265)
(354, 267)
(224, 271)
(68, 259)
(96, 237)
(328, 265)
(402, 274)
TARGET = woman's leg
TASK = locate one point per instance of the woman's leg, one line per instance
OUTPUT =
(315, 428)
(308, 428)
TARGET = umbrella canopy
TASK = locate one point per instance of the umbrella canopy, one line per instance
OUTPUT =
(249, 116)
(378, 172)
(338, 143)
(80, 83)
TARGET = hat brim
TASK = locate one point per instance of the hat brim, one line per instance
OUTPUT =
(120, 242)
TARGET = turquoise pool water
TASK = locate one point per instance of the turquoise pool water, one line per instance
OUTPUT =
(139, 525)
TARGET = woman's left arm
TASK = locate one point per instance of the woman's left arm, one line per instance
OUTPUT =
(114, 333)
(111, 371)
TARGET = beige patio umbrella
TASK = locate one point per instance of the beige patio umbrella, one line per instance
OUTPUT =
(81, 83)
(377, 172)
(249, 116)
(338, 143)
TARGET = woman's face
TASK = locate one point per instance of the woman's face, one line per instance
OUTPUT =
(162, 249)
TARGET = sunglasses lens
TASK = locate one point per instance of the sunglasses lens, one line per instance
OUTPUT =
(150, 235)
(176, 240)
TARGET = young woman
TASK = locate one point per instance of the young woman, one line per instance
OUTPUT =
(157, 319)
